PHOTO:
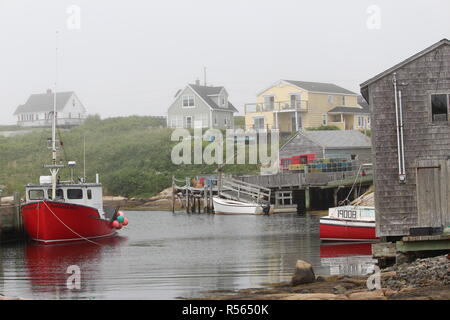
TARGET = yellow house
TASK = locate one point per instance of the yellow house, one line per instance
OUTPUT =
(290, 105)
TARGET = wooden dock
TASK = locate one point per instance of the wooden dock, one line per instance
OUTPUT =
(11, 225)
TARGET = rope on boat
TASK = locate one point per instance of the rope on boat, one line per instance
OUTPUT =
(354, 182)
(79, 235)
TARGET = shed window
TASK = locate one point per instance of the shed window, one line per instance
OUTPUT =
(36, 194)
(439, 107)
(74, 194)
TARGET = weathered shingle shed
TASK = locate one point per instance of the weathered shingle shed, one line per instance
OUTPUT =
(340, 144)
(410, 112)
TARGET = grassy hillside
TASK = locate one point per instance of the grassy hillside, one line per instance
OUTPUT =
(131, 154)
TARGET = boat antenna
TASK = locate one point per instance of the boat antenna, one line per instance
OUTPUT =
(84, 158)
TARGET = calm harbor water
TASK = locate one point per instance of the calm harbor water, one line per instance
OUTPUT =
(161, 255)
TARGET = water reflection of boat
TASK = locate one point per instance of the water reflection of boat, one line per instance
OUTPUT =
(347, 258)
(345, 249)
(47, 265)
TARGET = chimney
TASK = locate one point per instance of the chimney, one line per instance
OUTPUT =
(197, 82)
(49, 91)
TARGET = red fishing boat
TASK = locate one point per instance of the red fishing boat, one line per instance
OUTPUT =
(348, 223)
(60, 211)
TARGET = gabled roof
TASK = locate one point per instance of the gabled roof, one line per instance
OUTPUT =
(321, 87)
(403, 63)
(206, 91)
(335, 139)
(44, 102)
(344, 109)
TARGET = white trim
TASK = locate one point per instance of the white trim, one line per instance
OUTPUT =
(195, 92)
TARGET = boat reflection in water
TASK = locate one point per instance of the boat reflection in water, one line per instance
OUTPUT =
(347, 258)
(47, 266)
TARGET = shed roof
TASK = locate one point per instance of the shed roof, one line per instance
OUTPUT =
(336, 139)
(401, 64)
(43, 102)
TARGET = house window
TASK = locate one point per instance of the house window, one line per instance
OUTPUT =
(269, 102)
(360, 121)
(343, 100)
(222, 101)
(439, 107)
(324, 119)
(188, 101)
(330, 99)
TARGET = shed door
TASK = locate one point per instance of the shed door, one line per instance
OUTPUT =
(429, 196)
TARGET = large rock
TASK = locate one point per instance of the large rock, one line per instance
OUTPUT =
(304, 273)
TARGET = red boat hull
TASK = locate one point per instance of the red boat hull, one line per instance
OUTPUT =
(346, 231)
(50, 222)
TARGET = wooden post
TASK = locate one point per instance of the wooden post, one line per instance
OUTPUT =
(198, 203)
(187, 195)
(307, 199)
(18, 225)
(211, 205)
(335, 196)
(173, 194)
(205, 199)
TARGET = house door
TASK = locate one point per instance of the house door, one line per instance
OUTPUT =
(429, 205)
(189, 122)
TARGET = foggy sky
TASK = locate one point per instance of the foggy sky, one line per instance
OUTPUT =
(130, 57)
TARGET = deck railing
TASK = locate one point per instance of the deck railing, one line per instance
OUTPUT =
(280, 106)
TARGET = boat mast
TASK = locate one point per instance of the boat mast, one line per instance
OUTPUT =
(54, 168)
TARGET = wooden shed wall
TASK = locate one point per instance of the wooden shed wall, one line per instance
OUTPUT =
(396, 204)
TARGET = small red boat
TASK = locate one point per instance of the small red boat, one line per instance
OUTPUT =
(50, 221)
(60, 211)
(348, 223)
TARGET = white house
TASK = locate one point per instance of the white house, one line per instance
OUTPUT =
(38, 110)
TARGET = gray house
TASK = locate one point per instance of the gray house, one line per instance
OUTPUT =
(410, 107)
(38, 110)
(198, 106)
(332, 144)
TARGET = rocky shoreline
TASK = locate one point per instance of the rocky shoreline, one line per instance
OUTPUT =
(423, 279)
(160, 202)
